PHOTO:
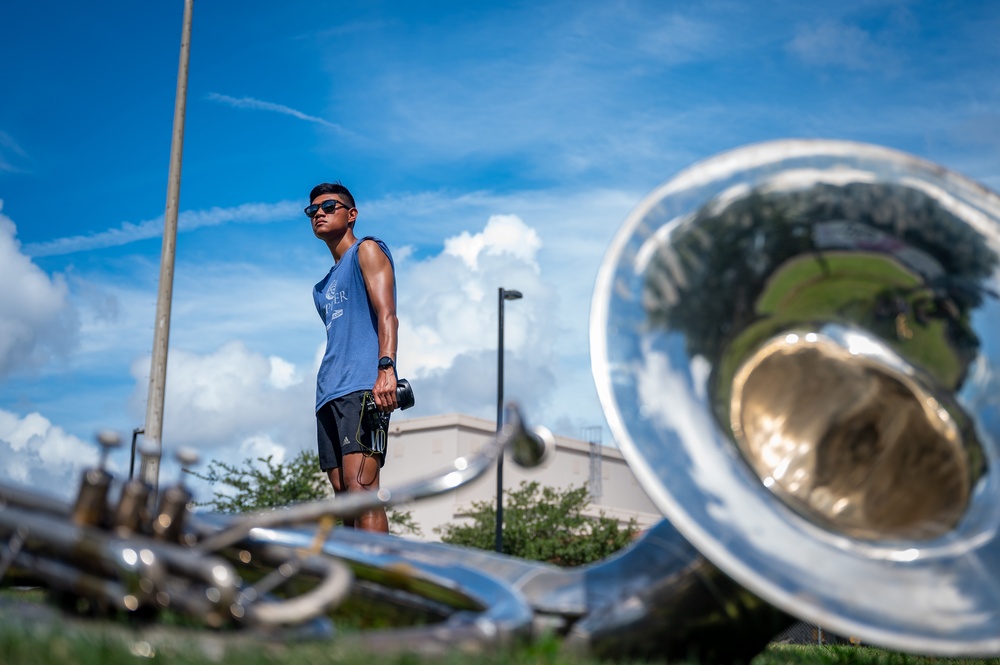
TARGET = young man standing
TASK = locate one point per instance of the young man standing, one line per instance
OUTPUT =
(356, 383)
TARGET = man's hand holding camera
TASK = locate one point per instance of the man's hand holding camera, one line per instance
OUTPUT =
(384, 391)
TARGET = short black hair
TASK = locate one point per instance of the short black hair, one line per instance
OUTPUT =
(332, 188)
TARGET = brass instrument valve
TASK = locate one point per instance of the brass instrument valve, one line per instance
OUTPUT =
(169, 520)
(133, 512)
(92, 499)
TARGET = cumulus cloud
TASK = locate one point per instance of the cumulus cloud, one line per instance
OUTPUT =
(450, 308)
(40, 455)
(231, 403)
(504, 234)
(36, 317)
(449, 321)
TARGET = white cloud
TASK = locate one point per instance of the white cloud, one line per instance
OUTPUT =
(504, 234)
(230, 405)
(230, 401)
(40, 455)
(261, 446)
(450, 303)
(37, 319)
(449, 320)
(283, 373)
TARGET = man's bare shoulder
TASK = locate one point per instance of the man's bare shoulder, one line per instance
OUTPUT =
(371, 254)
(370, 249)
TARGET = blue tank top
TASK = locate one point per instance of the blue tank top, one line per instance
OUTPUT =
(351, 359)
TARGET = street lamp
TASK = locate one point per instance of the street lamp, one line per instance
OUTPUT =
(503, 294)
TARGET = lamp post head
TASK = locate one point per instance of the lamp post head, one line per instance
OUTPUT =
(512, 295)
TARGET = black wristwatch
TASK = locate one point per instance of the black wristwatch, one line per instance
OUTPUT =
(385, 362)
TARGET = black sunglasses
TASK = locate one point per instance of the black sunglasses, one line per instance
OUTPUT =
(329, 207)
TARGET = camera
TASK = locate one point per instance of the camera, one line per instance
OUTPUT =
(404, 394)
(404, 400)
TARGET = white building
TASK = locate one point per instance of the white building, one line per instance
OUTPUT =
(422, 447)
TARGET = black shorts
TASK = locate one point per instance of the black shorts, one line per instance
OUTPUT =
(343, 428)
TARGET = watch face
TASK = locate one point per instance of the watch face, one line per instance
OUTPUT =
(385, 362)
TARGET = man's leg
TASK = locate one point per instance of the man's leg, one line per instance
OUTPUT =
(336, 476)
(330, 453)
(361, 474)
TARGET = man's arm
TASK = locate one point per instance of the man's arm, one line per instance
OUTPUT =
(380, 283)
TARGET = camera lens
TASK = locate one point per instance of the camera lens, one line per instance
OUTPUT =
(404, 394)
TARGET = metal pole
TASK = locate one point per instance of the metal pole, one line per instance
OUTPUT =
(502, 295)
(499, 533)
(150, 467)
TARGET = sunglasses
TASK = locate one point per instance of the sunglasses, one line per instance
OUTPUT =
(329, 207)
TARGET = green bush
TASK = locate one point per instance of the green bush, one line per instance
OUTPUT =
(543, 524)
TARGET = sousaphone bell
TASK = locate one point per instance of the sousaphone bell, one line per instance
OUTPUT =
(794, 344)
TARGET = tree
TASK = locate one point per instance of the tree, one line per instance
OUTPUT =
(543, 524)
(259, 484)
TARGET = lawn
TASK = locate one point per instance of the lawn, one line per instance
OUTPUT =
(31, 632)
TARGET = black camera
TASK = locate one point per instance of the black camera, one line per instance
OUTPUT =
(404, 394)
(404, 400)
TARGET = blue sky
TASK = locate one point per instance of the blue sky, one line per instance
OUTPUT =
(489, 145)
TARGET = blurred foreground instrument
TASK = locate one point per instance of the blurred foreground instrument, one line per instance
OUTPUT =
(795, 346)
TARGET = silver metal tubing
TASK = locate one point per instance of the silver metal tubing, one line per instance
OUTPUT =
(262, 609)
(14, 495)
(480, 609)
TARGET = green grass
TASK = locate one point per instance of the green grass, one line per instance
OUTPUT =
(33, 633)
(41, 647)
(787, 654)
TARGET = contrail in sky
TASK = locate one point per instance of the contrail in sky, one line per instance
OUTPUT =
(251, 103)
(127, 232)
